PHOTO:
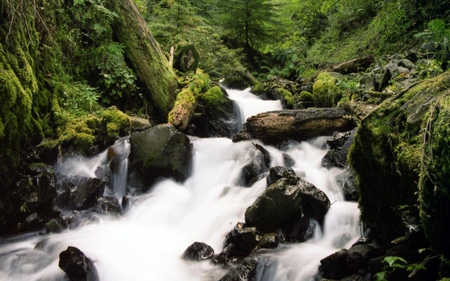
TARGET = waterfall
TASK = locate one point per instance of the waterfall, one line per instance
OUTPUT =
(147, 242)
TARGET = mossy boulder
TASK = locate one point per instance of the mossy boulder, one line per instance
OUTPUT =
(326, 91)
(161, 151)
(304, 100)
(116, 123)
(388, 154)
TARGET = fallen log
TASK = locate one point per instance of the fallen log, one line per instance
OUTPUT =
(301, 124)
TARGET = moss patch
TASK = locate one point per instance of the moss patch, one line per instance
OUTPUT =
(387, 156)
(325, 90)
(116, 123)
(213, 98)
(435, 175)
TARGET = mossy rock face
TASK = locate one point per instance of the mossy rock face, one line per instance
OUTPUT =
(116, 123)
(325, 90)
(161, 151)
(387, 155)
(435, 178)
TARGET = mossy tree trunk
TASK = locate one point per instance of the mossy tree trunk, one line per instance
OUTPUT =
(147, 58)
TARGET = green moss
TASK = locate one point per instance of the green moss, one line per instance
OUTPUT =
(213, 98)
(287, 97)
(115, 122)
(387, 155)
(305, 99)
(326, 91)
(183, 109)
(258, 89)
(435, 175)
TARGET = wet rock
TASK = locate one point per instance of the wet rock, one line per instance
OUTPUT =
(315, 203)
(279, 204)
(301, 231)
(278, 172)
(257, 168)
(288, 160)
(108, 206)
(340, 145)
(198, 251)
(347, 262)
(240, 241)
(301, 124)
(284, 202)
(347, 181)
(55, 226)
(161, 151)
(221, 121)
(87, 192)
(76, 265)
(246, 271)
(269, 241)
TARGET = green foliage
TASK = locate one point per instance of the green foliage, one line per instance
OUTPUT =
(117, 81)
(251, 23)
(428, 68)
(437, 31)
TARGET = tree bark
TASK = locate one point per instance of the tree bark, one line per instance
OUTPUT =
(146, 56)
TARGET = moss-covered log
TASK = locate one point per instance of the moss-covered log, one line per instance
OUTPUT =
(151, 66)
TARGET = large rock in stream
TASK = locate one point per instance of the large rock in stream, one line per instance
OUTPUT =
(161, 151)
(284, 203)
(76, 265)
(300, 124)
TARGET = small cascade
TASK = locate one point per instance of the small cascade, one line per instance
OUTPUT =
(250, 105)
(118, 165)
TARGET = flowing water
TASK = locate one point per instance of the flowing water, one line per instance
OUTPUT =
(146, 243)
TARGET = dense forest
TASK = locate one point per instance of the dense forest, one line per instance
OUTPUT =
(73, 72)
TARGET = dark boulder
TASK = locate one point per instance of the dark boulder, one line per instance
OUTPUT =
(284, 202)
(278, 172)
(269, 241)
(161, 151)
(300, 231)
(241, 241)
(245, 271)
(347, 262)
(300, 125)
(76, 265)
(198, 251)
(340, 145)
(315, 202)
(347, 181)
(87, 192)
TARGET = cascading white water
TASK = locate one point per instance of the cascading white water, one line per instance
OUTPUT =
(148, 241)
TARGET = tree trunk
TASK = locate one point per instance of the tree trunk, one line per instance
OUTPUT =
(145, 55)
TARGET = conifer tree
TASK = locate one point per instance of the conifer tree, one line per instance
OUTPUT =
(249, 22)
